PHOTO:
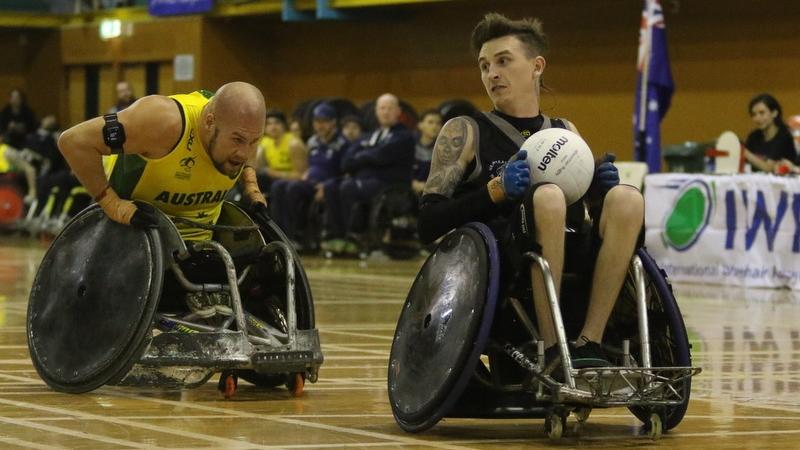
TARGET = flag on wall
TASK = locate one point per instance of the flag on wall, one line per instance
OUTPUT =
(654, 86)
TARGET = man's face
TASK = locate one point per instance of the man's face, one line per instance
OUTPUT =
(430, 126)
(15, 98)
(324, 128)
(762, 116)
(124, 92)
(507, 72)
(387, 110)
(274, 128)
(233, 144)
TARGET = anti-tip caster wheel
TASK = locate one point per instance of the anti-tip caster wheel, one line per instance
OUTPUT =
(581, 416)
(656, 426)
(296, 384)
(554, 426)
(228, 383)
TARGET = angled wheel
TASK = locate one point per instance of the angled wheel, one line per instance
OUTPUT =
(91, 306)
(669, 343)
(443, 327)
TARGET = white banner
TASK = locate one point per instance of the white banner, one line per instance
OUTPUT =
(741, 230)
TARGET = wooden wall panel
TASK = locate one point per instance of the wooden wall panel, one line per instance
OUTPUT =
(721, 53)
(166, 78)
(77, 95)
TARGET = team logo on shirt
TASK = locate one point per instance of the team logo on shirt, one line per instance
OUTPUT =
(186, 164)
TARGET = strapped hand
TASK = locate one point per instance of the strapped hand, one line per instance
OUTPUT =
(606, 175)
(126, 212)
(516, 175)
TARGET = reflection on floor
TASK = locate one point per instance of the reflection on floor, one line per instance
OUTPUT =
(747, 341)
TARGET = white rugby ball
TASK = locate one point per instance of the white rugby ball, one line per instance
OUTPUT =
(561, 157)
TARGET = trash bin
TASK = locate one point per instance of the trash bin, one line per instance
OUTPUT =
(688, 157)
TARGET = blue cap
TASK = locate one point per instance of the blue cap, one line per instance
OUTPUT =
(324, 111)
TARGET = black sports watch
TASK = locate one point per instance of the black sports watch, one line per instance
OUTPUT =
(113, 133)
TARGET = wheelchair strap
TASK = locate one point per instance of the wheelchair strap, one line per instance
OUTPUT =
(509, 130)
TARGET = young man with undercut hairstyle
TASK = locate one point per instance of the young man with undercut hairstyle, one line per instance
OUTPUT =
(471, 181)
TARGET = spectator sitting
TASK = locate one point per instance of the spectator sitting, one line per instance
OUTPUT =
(54, 171)
(429, 126)
(325, 149)
(771, 141)
(351, 128)
(281, 157)
(11, 161)
(386, 157)
(125, 97)
(17, 120)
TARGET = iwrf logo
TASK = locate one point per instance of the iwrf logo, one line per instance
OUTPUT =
(689, 215)
(750, 214)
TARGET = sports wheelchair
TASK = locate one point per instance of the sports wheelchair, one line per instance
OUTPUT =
(109, 306)
(458, 345)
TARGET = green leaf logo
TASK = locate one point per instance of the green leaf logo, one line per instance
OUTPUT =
(689, 217)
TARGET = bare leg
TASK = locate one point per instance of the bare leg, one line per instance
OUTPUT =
(549, 211)
(620, 223)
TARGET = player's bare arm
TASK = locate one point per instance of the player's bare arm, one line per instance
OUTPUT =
(454, 149)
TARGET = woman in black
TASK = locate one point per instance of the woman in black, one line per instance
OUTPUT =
(771, 142)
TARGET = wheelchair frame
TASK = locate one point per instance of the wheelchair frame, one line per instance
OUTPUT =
(656, 395)
(202, 349)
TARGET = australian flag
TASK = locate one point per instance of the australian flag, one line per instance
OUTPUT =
(654, 86)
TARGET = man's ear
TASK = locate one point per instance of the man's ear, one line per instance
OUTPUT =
(539, 64)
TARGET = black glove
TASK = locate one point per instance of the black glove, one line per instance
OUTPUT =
(260, 212)
(606, 175)
(145, 215)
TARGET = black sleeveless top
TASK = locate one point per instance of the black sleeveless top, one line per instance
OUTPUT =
(495, 148)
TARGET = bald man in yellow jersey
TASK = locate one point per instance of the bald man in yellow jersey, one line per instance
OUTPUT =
(180, 154)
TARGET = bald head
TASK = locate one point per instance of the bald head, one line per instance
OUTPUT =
(238, 101)
(234, 119)
(387, 110)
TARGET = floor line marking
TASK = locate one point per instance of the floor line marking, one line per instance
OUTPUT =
(68, 432)
(282, 419)
(187, 434)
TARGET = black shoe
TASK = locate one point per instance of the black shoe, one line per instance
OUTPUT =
(589, 354)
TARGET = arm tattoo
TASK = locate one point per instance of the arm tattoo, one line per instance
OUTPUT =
(446, 165)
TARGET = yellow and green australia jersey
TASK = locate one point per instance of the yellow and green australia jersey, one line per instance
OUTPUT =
(184, 183)
(5, 165)
(276, 152)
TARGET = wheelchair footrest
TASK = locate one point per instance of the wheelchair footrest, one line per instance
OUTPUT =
(629, 386)
(219, 350)
(303, 354)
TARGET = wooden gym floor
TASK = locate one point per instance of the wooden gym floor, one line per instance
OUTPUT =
(748, 396)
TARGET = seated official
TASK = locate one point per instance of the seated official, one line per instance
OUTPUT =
(771, 141)
(385, 158)
(180, 154)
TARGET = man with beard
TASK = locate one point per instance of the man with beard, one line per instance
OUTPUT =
(180, 154)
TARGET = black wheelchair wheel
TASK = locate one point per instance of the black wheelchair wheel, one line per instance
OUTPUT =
(669, 343)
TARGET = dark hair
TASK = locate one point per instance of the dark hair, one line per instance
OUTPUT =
(277, 114)
(428, 112)
(528, 31)
(351, 118)
(771, 104)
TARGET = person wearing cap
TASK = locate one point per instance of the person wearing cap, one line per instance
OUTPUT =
(325, 149)
(385, 157)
